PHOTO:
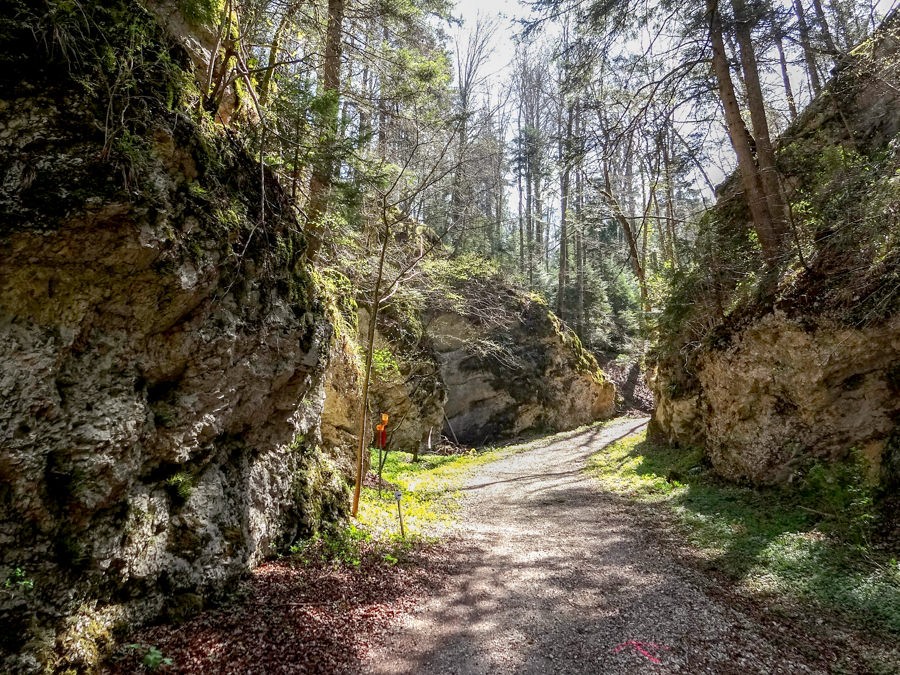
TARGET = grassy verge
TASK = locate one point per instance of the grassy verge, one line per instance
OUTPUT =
(808, 547)
(430, 490)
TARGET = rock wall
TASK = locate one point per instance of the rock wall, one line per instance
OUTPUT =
(497, 365)
(785, 393)
(527, 373)
(163, 352)
(771, 373)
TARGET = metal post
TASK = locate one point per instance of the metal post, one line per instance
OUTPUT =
(397, 496)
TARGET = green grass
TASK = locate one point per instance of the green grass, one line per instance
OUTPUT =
(430, 492)
(808, 547)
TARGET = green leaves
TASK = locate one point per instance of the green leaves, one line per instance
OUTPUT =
(153, 659)
(812, 549)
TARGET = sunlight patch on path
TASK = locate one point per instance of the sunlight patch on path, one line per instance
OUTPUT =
(551, 574)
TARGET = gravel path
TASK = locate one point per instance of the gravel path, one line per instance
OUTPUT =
(551, 575)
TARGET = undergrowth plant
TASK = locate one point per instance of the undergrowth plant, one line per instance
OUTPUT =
(806, 548)
(429, 489)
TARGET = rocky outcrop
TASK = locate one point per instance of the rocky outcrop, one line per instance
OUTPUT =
(773, 373)
(784, 394)
(163, 352)
(524, 373)
(490, 365)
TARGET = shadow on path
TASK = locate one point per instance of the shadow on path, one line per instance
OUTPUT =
(551, 575)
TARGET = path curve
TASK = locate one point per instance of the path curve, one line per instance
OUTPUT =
(552, 575)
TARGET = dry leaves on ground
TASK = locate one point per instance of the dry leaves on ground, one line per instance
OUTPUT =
(297, 616)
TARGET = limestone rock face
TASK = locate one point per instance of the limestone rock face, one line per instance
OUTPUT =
(782, 394)
(489, 369)
(163, 366)
(342, 396)
(407, 385)
(524, 373)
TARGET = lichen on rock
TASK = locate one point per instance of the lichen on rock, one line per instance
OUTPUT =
(162, 367)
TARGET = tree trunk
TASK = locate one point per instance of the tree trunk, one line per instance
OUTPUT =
(538, 220)
(812, 69)
(765, 153)
(672, 253)
(266, 80)
(323, 173)
(846, 36)
(827, 38)
(740, 138)
(778, 37)
(367, 374)
(564, 179)
(625, 225)
(579, 257)
(529, 222)
(563, 241)
(499, 193)
(519, 167)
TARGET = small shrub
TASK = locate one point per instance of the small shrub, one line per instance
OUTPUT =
(153, 658)
(19, 579)
(181, 485)
(841, 492)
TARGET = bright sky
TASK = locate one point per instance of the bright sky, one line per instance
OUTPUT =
(505, 12)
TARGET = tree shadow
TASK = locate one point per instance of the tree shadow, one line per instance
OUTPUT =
(772, 533)
(610, 601)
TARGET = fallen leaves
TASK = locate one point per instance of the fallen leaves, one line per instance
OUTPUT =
(308, 615)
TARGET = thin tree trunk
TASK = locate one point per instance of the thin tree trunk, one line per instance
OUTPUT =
(765, 153)
(564, 179)
(538, 221)
(579, 257)
(365, 117)
(845, 34)
(367, 374)
(782, 60)
(519, 167)
(529, 222)
(625, 225)
(499, 186)
(323, 173)
(812, 69)
(295, 169)
(563, 241)
(827, 38)
(382, 103)
(670, 201)
(457, 205)
(275, 47)
(740, 138)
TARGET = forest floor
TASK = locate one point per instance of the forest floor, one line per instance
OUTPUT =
(543, 570)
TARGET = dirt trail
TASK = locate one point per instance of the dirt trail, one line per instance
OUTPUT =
(551, 575)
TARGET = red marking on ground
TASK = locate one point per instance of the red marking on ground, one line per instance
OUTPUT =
(640, 648)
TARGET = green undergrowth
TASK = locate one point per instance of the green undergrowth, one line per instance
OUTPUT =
(430, 491)
(807, 548)
(429, 488)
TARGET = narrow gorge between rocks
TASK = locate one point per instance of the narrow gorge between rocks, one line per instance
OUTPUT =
(411, 337)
